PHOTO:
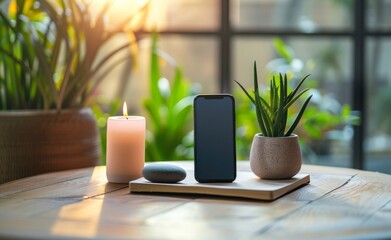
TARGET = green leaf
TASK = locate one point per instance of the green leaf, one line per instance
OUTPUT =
(245, 91)
(265, 104)
(153, 112)
(81, 89)
(293, 93)
(256, 88)
(294, 99)
(178, 90)
(266, 118)
(298, 117)
(155, 69)
(260, 116)
(64, 83)
(43, 62)
(15, 60)
(274, 91)
(272, 95)
(283, 49)
(7, 22)
(104, 73)
(280, 110)
(181, 113)
(258, 106)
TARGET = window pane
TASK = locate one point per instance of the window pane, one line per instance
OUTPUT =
(302, 15)
(378, 15)
(328, 60)
(378, 90)
(196, 56)
(184, 15)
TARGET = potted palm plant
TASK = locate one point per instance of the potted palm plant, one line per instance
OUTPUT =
(275, 152)
(51, 63)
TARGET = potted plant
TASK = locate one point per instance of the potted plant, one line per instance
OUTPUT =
(275, 152)
(51, 63)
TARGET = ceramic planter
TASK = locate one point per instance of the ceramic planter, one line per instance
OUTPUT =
(37, 141)
(275, 157)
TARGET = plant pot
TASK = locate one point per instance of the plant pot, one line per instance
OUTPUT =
(275, 157)
(34, 142)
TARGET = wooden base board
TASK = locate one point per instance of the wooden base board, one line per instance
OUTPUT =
(246, 185)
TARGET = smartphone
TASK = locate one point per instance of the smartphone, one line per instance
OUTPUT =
(214, 138)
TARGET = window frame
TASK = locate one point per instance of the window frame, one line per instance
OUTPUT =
(358, 34)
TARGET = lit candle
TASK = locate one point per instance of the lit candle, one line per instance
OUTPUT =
(125, 147)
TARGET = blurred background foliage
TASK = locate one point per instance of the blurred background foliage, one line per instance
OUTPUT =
(324, 118)
(103, 109)
(169, 111)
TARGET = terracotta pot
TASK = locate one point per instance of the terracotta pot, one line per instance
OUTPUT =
(275, 157)
(35, 141)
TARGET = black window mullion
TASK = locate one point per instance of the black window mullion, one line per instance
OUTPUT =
(359, 82)
(225, 48)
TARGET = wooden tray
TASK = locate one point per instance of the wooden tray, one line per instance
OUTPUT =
(246, 185)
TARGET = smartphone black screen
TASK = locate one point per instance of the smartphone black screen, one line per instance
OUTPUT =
(214, 137)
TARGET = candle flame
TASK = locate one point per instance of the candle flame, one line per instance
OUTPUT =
(125, 109)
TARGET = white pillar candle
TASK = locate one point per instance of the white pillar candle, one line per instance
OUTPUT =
(125, 151)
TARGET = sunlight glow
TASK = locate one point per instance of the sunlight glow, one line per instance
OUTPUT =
(120, 10)
(77, 215)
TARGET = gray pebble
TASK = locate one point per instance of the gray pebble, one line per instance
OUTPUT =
(163, 173)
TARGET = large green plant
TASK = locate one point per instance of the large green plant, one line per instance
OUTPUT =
(169, 113)
(49, 52)
(272, 115)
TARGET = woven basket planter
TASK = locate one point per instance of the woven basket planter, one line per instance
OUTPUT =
(35, 142)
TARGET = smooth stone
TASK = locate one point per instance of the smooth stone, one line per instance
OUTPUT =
(163, 173)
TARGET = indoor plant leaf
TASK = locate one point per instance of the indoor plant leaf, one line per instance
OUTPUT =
(272, 116)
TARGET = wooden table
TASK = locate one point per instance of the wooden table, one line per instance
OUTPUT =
(338, 203)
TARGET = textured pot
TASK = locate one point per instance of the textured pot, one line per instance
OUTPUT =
(34, 142)
(275, 157)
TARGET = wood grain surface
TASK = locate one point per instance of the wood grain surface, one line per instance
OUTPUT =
(338, 203)
(246, 185)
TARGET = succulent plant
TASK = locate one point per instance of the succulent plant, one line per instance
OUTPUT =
(272, 115)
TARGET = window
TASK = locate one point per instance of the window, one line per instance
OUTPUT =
(344, 44)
